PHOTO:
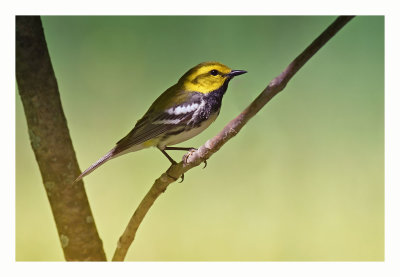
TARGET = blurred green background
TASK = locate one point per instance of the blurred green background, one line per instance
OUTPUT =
(302, 181)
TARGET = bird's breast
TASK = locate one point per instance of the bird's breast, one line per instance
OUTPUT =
(187, 132)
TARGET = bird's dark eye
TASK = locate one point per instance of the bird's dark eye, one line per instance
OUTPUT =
(214, 72)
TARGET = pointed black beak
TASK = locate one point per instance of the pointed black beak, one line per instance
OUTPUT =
(234, 73)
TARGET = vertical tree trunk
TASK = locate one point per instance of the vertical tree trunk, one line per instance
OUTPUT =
(52, 145)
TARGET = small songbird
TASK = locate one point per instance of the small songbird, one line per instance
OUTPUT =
(180, 113)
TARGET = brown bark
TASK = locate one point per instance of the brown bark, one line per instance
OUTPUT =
(52, 145)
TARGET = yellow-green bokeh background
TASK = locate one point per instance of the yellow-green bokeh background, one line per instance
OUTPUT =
(303, 180)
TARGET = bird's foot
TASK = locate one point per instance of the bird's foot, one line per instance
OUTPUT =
(187, 155)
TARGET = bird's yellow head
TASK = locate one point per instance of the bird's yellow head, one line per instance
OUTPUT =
(207, 77)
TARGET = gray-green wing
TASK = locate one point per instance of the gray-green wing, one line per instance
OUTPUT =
(147, 128)
(157, 122)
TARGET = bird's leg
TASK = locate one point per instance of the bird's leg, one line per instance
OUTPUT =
(191, 149)
(172, 162)
(180, 148)
(168, 156)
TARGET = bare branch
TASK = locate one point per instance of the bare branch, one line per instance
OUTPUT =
(52, 145)
(229, 131)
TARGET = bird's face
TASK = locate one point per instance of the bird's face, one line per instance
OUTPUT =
(207, 77)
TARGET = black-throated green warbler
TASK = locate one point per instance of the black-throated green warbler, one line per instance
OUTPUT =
(180, 113)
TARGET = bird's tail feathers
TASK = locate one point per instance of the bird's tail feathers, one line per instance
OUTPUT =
(98, 163)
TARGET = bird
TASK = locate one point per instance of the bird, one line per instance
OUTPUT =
(183, 111)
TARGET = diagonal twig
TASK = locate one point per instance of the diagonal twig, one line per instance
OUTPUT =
(229, 131)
